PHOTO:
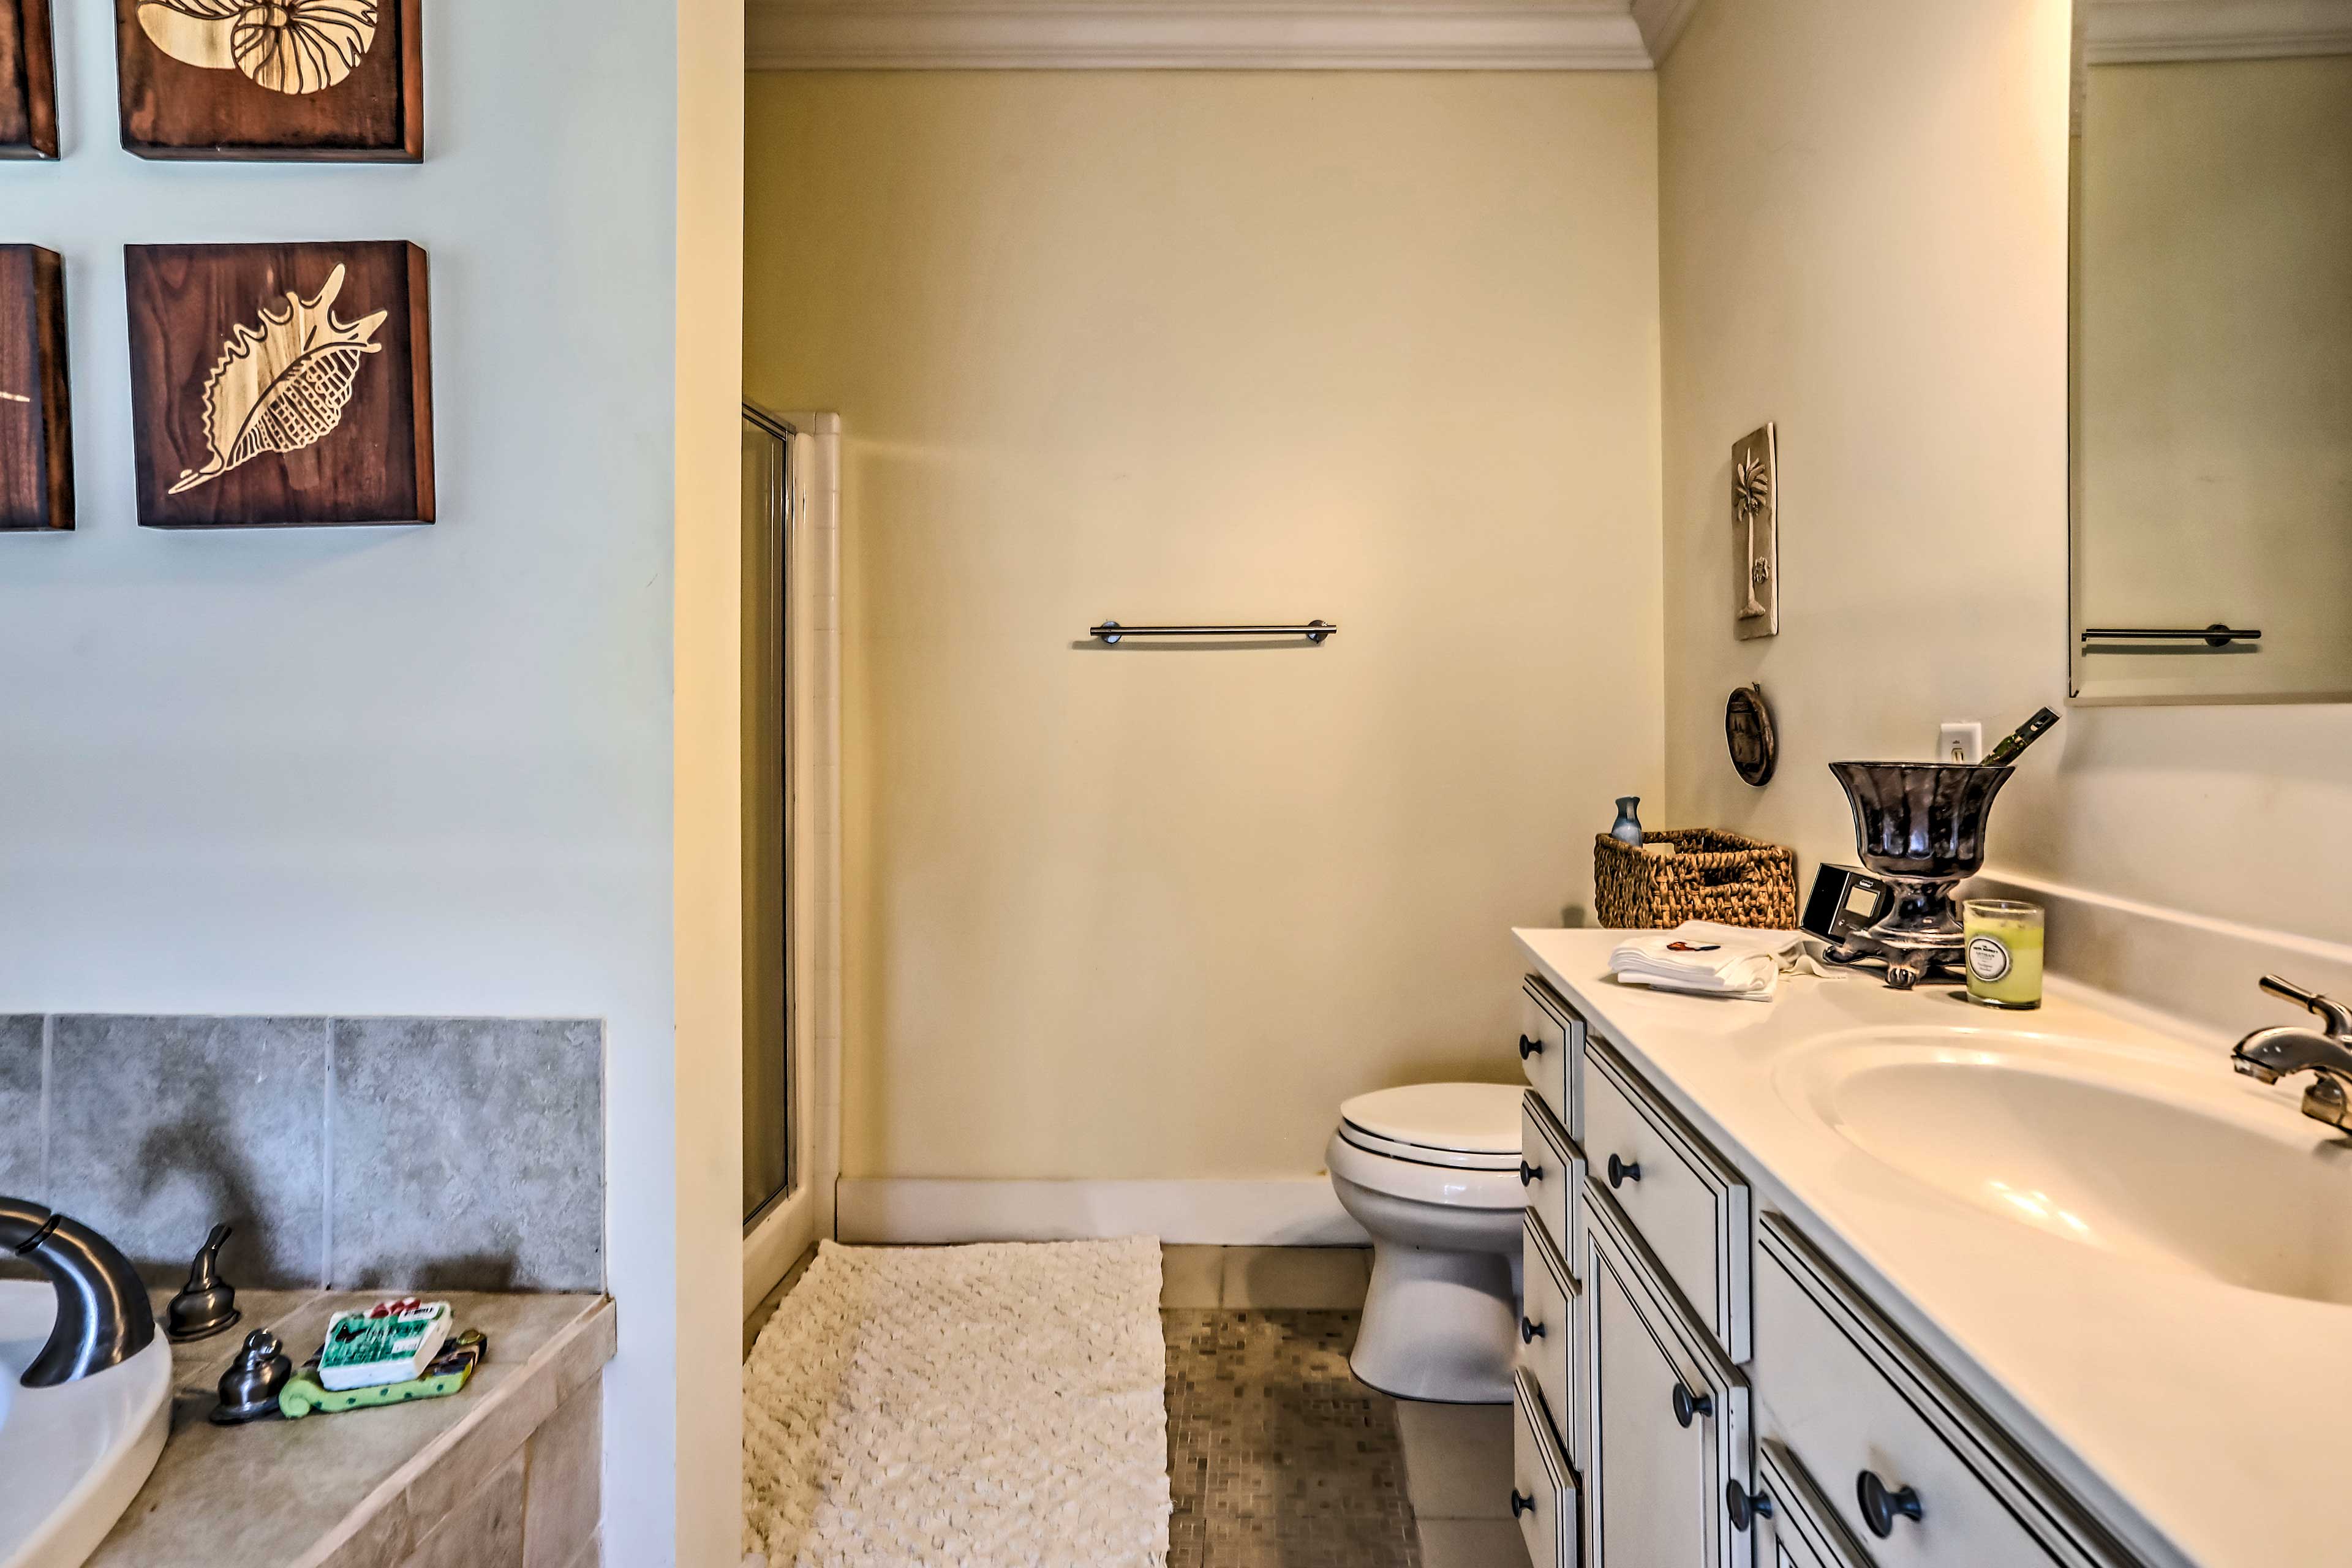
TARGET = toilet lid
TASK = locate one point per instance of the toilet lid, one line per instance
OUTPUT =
(1471, 1125)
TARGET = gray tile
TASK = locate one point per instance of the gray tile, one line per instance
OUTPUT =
(1472, 1543)
(20, 1107)
(1297, 1278)
(468, 1154)
(160, 1127)
(1457, 1459)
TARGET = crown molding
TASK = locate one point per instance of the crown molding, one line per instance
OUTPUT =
(1662, 23)
(1200, 35)
(2130, 32)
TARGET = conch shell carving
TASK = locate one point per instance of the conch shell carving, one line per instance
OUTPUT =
(284, 388)
(286, 45)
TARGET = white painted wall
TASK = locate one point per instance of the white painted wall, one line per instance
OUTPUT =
(1864, 211)
(401, 770)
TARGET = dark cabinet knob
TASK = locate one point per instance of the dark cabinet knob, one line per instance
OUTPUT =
(1529, 1172)
(1528, 1048)
(1744, 1505)
(1622, 1171)
(1529, 1332)
(1687, 1405)
(1881, 1507)
(1520, 1505)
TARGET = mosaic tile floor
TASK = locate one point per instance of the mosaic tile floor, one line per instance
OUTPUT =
(1277, 1457)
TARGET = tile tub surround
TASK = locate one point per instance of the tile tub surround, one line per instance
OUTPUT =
(504, 1475)
(430, 1153)
(21, 1044)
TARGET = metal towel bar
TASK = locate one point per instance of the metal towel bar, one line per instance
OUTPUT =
(2215, 636)
(1111, 632)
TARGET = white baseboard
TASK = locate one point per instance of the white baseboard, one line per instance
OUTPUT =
(1299, 1211)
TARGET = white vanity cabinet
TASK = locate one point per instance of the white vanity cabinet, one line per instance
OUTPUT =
(1551, 1318)
(1551, 1036)
(1795, 1526)
(1668, 1415)
(1684, 1200)
(1706, 1387)
(1543, 1488)
(1908, 1464)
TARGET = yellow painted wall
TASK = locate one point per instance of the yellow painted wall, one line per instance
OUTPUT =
(1379, 349)
(1863, 220)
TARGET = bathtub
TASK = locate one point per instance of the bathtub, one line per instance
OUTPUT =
(72, 1459)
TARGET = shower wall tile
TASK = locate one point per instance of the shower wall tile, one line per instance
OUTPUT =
(159, 1127)
(468, 1153)
(20, 1107)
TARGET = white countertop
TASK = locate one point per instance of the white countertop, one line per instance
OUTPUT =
(2203, 1423)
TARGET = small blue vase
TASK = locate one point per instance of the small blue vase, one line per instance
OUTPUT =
(1627, 829)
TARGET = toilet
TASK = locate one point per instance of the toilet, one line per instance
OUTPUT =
(1432, 1170)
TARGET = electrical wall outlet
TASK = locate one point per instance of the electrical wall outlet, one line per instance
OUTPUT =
(1960, 742)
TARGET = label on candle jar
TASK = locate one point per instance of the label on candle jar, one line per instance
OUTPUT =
(1988, 958)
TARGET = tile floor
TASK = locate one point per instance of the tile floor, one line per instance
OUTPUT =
(1278, 1456)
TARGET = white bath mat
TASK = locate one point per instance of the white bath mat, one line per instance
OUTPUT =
(981, 1405)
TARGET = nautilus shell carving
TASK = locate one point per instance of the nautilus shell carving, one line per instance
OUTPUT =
(286, 45)
(284, 388)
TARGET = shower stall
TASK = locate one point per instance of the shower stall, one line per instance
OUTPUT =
(770, 1167)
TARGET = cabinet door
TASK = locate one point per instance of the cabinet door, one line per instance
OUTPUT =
(1668, 1416)
(1795, 1525)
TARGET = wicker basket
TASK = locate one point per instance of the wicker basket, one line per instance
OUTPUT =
(1711, 876)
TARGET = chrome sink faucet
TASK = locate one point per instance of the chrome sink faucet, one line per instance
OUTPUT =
(103, 1315)
(2279, 1052)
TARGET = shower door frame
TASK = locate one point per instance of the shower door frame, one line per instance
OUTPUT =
(780, 515)
(781, 1232)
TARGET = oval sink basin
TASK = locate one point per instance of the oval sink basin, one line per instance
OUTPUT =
(72, 1459)
(2140, 1154)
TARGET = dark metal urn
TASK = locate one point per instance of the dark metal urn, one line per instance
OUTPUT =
(1921, 826)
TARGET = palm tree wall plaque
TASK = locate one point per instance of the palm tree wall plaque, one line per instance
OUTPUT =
(1755, 507)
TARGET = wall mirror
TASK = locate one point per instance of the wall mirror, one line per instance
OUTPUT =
(2211, 352)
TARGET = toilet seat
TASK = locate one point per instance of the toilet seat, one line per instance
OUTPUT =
(1465, 1126)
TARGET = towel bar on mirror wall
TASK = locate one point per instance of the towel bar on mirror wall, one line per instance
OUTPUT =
(2215, 636)
(1111, 632)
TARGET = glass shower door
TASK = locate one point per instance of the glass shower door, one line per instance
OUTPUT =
(769, 1172)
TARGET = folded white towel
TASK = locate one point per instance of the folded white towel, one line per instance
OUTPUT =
(1710, 960)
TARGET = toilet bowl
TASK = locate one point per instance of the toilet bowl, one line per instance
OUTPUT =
(1433, 1172)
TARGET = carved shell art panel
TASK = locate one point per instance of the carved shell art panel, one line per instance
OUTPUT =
(283, 387)
(293, 46)
(278, 385)
(334, 81)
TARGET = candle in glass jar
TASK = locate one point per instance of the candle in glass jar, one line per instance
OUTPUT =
(2004, 951)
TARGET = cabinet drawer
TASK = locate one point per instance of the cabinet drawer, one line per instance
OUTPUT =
(1548, 1331)
(1551, 1169)
(1551, 1034)
(1667, 1420)
(1685, 1203)
(1870, 1419)
(1795, 1526)
(1543, 1488)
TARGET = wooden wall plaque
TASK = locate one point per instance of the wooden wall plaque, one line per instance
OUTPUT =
(35, 423)
(29, 81)
(299, 80)
(281, 385)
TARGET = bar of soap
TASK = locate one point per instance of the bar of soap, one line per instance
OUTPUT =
(391, 1341)
(448, 1375)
